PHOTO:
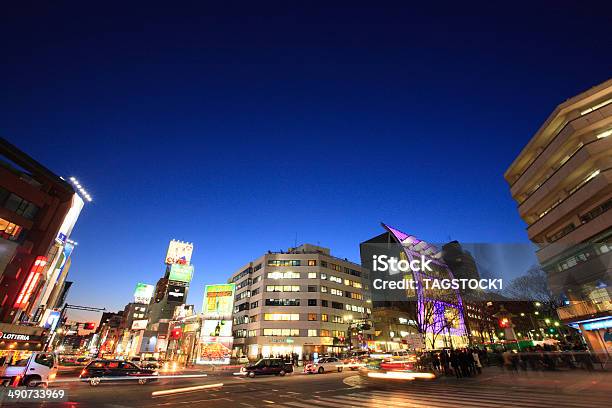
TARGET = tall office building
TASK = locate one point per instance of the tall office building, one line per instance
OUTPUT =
(302, 301)
(562, 183)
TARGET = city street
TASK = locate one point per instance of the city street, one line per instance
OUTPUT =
(493, 388)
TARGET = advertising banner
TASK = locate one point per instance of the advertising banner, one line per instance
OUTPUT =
(179, 253)
(143, 293)
(181, 273)
(176, 293)
(216, 328)
(51, 318)
(140, 324)
(215, 352)
(219, 301)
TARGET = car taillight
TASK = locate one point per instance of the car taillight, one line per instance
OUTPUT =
(83, 372)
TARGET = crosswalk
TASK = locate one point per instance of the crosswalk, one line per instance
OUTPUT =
(436, 396)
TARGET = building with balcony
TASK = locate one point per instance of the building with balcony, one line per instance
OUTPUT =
(301, 301)
(562, 183)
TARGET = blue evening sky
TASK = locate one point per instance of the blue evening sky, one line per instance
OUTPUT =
(239, 126)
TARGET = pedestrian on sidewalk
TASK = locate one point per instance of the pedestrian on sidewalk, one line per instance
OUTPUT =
(476, 359)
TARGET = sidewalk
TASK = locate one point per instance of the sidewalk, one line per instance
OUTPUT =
(562, 381)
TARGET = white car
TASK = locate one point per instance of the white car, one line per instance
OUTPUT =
(329, 364)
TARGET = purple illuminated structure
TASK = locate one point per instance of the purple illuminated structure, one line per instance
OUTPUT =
(413, 248)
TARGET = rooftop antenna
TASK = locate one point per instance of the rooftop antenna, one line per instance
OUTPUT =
(295, 242)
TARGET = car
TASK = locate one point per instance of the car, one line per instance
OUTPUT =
(353, 363)
(116, 370)
(324, 364)
(82, 361)
(242, 360)
(389, 368)
(149, 362)
(267, 366)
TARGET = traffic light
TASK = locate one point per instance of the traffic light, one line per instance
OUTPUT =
(504, 322)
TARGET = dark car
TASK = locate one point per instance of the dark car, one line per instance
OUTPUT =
(268, 366)
(116, 370)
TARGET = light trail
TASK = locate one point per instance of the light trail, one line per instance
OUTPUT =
(185, 389)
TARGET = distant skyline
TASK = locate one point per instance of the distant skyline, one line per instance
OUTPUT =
(238, 127)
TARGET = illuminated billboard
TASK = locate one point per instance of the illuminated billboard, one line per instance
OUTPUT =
(176, 293)
(216, 328)
(143, 293)
(140, 324)
(219, 301)
(181, 273)
(179, 252)
(215, 352)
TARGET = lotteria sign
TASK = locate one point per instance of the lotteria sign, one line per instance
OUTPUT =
(18, 337)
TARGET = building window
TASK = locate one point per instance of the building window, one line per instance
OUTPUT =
(324, 317)
(253, 318)
(241, 307)
(282, 302)
(312, 333)
(324, 264)
(336, 292)
(9, 231)
(282, 288)
(337, 305)
(335, 279)
(255, 291)
(252, 333)
(312, 288)
(312, 302)
(257, 279)
(337, 319)
(281, 316)
(283, 262)
(323, 289)
(281, 332)
(284, 275)
(312, 275)
(312, 262)
(338, 333)
(312, 317)
(254, 304)
(324, 303)
(20, 206)
(324, 333)
(257, 267)
(324, 276)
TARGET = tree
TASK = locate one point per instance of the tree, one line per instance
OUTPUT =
(533, 286)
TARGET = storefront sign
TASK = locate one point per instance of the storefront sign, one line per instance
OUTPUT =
(18, 337)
